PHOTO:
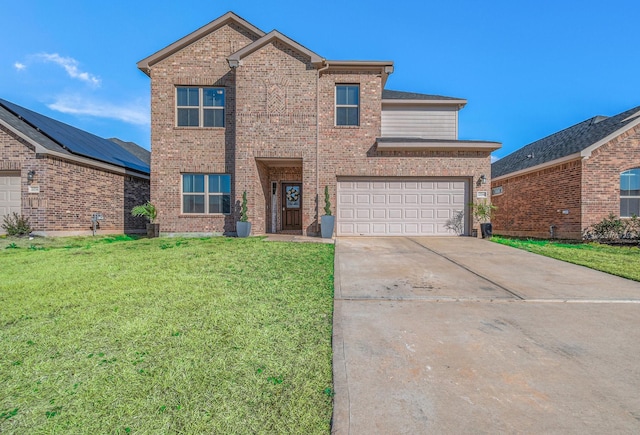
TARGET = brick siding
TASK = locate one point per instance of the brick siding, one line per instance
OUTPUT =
(589, 189)
(70, 193)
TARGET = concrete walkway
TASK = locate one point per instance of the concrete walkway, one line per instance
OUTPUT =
(460, 335)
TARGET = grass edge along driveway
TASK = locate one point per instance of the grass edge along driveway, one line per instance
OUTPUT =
(216, 335)
(617, 260)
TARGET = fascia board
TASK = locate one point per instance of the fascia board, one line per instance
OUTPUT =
(39, 149)
(400, 145)
(145, 64)
(550, 163)
(586, 153)
(399, 102)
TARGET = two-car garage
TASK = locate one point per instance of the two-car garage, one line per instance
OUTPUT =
(400, 206)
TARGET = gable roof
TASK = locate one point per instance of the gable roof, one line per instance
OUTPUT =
(274, 35)
(576, 141)
(145, 64)
(63, 139)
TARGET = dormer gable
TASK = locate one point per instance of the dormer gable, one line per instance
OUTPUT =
(235, 59)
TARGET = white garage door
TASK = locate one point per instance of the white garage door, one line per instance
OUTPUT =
(9, 196)
(399, 207)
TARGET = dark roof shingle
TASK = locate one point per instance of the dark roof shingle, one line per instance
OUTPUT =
(563, 143)
(71, 139)
(401, 95)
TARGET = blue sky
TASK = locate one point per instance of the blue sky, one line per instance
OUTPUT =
(527, 69)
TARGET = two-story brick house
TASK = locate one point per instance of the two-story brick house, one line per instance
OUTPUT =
(236, 109)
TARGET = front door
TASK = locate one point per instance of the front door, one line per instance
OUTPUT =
(292, 206)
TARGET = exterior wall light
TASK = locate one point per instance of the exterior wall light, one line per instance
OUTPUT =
(482, 179)
(30, 175)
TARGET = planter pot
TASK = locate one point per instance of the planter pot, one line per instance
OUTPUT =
(326, 226)
(153, 230)
(243, 229)
(487, 230)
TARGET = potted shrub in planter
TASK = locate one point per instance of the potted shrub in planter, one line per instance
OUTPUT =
(482, 212)
(149, 211)
(243, 226)
(327, 221)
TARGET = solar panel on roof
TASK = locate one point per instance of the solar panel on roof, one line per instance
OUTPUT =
(79, 141)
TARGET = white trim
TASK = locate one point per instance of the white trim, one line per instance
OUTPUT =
(201, 107)
(586, 153)
(539, 167)
(274, 207)
(435, 102)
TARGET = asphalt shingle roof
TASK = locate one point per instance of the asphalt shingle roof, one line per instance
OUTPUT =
(400, 95)
(563, 143)
(58, 136)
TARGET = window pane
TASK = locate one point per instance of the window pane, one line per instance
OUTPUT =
(214, 183)
(213, 97)
(226, 204)
(629, 207)
(192, 183)
(225, 183)
(219, 183)
(352, 95)
(215, 204)
(188, 97)
(213, 118)
(193, 204)
(347, 116)
(630, 180)
(341, 95)
(188, 118)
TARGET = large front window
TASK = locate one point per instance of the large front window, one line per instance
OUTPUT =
(200, 107)
(347, 105)
(206, 193)
(630, 193)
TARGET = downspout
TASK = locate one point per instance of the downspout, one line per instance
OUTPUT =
(324, 68)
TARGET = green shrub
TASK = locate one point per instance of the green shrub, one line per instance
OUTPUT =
(614, 228)
(16, 225)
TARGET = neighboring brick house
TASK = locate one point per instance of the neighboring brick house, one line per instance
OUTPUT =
(59, 176)
(236, 109)
(566, 182)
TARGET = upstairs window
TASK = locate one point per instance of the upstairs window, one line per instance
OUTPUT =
(347, 105)
(630, 193)
(200, 107)
(206, 193)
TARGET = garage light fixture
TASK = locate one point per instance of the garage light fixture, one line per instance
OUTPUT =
(482, 180)
(30, 176)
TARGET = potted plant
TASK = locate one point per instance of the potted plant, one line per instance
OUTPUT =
(149, 211)
(243, 226)
(327, 221)
(482, 212)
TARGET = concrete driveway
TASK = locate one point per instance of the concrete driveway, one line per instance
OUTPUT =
(460, 335)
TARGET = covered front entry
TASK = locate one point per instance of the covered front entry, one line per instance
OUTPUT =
(284, 196)
(10, 201)
(400, 206)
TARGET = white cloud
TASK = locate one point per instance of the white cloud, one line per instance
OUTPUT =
(19, 66)
(134, 113)
(70, 65)
(494, 158)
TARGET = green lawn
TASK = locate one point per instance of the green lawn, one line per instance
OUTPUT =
(115, 335)
(616, 260)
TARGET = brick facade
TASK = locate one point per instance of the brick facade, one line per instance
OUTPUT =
(69, 193)
(570, 196)
(279, 127)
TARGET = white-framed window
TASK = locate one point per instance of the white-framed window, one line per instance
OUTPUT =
(206, 193)
(630, 193)
(199, 107)
(497, 191)
(348, 105)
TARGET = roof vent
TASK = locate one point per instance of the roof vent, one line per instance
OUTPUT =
(597, 119)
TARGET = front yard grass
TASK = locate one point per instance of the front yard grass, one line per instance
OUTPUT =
(616, 260)
(116, 335)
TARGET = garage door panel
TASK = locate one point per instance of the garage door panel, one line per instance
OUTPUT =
(399, 207)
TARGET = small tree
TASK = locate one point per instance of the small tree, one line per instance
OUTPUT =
(147, 210)
(243, 210)
(327, 202)
(482, 210)
(456, 223)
